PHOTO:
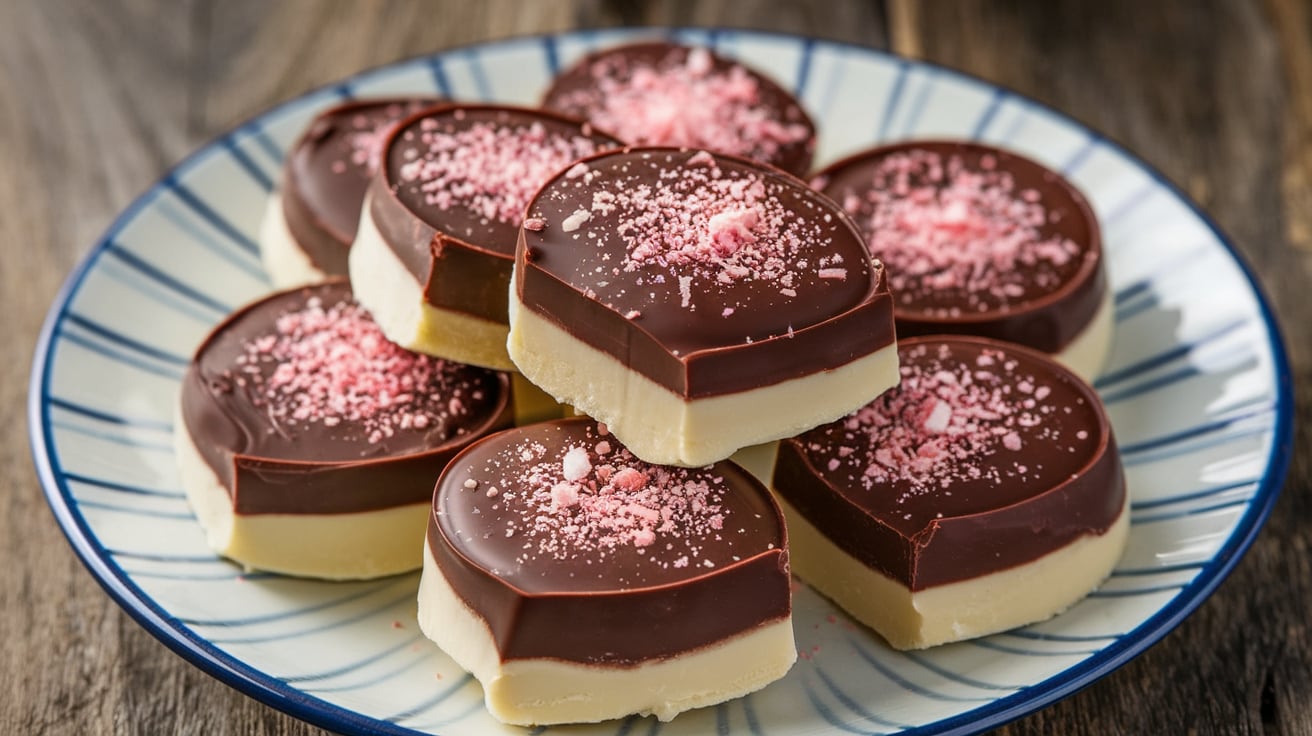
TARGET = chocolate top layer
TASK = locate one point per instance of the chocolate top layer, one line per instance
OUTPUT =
(986, 456)
(327, 171)
(450, 199)
(300, 405)
(977, 240)
(708, 274)
(663, 94)
(571, 548)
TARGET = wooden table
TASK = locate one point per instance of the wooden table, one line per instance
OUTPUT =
(100, 98)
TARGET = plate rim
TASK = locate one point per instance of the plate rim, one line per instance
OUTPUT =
(273, 692)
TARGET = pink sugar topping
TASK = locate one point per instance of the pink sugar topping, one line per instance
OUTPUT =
(949, 421)
(686, 103)
(488, 168)
(942, 227)
(331, 364)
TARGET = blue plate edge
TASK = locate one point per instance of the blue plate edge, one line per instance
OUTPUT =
(277, 694)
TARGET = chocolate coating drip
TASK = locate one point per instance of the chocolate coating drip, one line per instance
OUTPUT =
(1045, 310)
(577, 91)
(1015, 492)
(557, 582)
(327, 172)
(284, 465)
(691, 326)
(461, 256)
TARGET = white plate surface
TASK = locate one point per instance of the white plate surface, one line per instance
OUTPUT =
(1197, 387)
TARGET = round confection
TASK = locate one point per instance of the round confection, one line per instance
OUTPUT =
(982, 241)
(983, 493)
(663, 94)
(309, 444)
(697, 303)
(578, 583)
(311, 220)
(433, 258)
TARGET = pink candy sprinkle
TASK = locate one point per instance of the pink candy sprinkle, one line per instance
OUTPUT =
(685, 104)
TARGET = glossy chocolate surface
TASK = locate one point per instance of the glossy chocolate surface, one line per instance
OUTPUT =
(601, 570)
(272, 463)
(992, 489)
(577, 91)
(690, 326)
(1047, 305)
(459, 254)
(327, 172)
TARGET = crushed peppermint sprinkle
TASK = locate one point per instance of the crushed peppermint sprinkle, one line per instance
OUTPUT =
(945, 228)
(368, 133)
(490, 168)
(684, 102)
(949, 421)
(329, 364)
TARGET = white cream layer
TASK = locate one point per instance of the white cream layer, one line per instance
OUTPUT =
(355, 546)
(545, 691)
(663, 428)
(1086, 354)
(963, 610)
(395, 299)
(284, 260)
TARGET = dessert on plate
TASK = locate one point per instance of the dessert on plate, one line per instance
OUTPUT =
(437, 236)
(308, 444)
(578, 583)
(665, 94)
(983, 493)
(310, 221)
(982, 241)
(697, 303)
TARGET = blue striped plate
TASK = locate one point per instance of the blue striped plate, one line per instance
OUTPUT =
(1197, 387)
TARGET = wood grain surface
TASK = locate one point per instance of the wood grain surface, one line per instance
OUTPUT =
(98, 98)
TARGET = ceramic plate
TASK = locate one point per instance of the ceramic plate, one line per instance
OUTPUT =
(1197, 387)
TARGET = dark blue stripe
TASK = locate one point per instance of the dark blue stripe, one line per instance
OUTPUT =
(248, 164)
(918, 104)
(203, 237)
(850, 703)
(1163, 570)
(117, 439)
(1134, 200)
(990, 112)
(121, 274)
(433, 701)
(713, 38)
(171, 515)
(283, 636)
(1189, 512)
(123, 487)
(286, 614)
(344, 90)
(353, 666)
(894, 97)
(1068, 638)
(1133, 593)
(749, 712)
(626, 726)
(265, 141)
(125, 341)
(1192, 496)
(389, 674)
(903, 682)
(152, 557)
(227, 577)
(1149, 386)
(1192, 432)
(993, 645)
(1080, 156)
(209, 214)
(552, 54)
(107, 417)
(1125, 312)
(119, 357)
(166, 280)
(822, 710)
(1167, 356)
(439, 725)
(804, 67)
(440, 81)
(1133, 290)
(1014, 129)
(957, 677)
(721, 720)
(476, 70)
(1222, 439)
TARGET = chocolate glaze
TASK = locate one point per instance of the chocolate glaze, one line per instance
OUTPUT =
(325, 178)
(462, 259)
(1043, 317)
(308, 467)
(922, 534)
(697, 350)
(583, 601)
(574, 92)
